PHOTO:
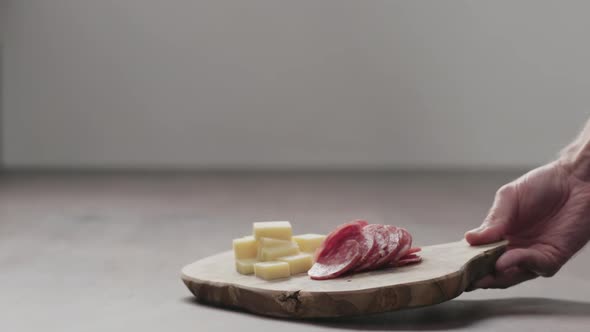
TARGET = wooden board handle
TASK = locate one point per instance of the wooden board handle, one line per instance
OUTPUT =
(482, 265)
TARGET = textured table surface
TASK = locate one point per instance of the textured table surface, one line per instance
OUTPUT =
(102, 252)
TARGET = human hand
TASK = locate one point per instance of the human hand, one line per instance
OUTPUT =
(544, 215)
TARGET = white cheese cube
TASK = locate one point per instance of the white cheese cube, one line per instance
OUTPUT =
(272, 270)
(273, 229)
(245, 266)
(309, 242)
(245, 247)
(267, 242)
(300, 263)
(266, 254)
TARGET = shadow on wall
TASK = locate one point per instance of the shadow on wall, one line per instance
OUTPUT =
(453, 314)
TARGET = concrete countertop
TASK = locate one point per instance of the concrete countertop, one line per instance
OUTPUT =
(96, 252)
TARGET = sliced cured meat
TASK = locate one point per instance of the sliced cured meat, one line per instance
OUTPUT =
(369, 234)
(361, 222)
(408, 259)
(378, 250)
(393, 246)
(339, 235)
(366, 244)
(337, 261)
(358, 246)
(405, 244)
(410, 256)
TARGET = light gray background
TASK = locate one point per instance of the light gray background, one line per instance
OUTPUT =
(287, 84)
(270, 84)
(3, 7)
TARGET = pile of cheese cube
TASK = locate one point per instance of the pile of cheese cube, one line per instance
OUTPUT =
(273, 252)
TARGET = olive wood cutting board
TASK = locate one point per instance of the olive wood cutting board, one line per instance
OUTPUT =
(444, 273)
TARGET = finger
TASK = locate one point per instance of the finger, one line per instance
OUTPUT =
(502, 212)
(529, 259)
(485, 234)
(485, 280)
(482, 281)
(505, 279)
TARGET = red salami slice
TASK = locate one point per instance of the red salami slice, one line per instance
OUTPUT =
(410, 256)
(405, 244)
(337, 261)
(369, 246)
(408, 259)
(367, 243)
(339, 235)
(361, 222)
(378, 250)
(393, 246)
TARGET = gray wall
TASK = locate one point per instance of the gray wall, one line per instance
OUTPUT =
(3, 10)
(307, 83)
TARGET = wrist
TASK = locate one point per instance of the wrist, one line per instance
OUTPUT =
(575, 158)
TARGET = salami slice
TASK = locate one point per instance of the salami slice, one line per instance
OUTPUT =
(337, 261)
(369, 247)
(408, 259)
(379, 248)
(413, 250)
(405, 244)
(393, 246)
(366, 244)
(361, 222)
(339, 235)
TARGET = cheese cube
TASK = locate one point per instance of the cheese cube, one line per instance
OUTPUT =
(246, 247)
(245, 266)
(309, 242)
(272, 270)
(266, 254)
(300, 263)
(267, 242)
(273, 229)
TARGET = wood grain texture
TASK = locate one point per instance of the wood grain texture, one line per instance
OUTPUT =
(445, 272)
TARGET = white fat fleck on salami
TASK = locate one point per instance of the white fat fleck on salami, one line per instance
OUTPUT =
(337, 261)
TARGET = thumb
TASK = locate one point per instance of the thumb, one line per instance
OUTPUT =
(494, 226)
(529, 259)
(485, 234)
